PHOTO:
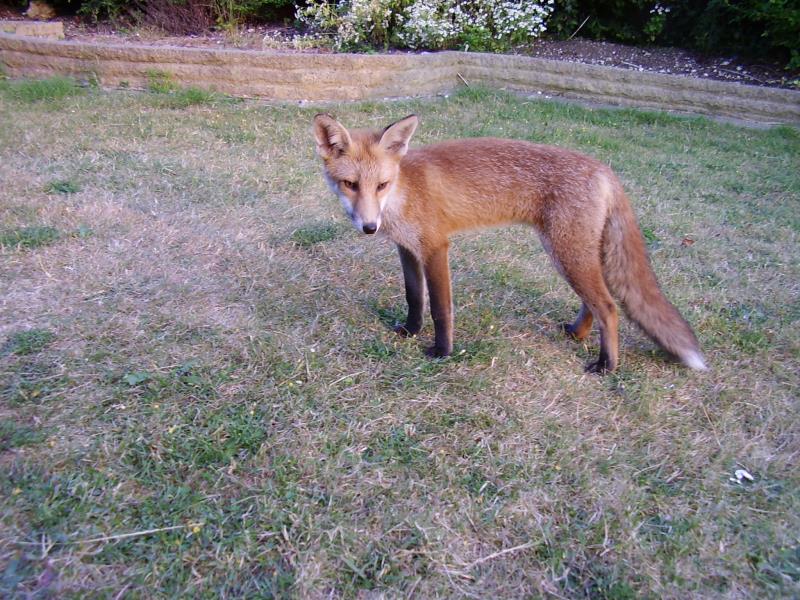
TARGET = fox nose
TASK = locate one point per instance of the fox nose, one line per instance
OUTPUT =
(369, 228)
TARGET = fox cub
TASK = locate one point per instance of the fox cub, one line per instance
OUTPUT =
(418, 197)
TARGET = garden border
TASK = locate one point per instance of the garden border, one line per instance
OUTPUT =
(336, 77)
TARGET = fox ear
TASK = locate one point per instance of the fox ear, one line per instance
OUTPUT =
(332, 138)
(396, 136)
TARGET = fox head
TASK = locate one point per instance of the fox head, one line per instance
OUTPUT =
(361, 166)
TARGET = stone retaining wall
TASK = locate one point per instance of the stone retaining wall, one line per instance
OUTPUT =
(635, 88)
(53, 30)
(319, 77)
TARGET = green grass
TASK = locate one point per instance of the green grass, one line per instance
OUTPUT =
(62, 186)
(14, 435)
(180, 98)
(316, 233)
(29, 237)
(160, 82)
(168, 94)
(54, 88)
(30, 341)
(201, 395)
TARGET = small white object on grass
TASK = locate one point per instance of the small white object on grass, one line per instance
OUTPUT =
(739, 475)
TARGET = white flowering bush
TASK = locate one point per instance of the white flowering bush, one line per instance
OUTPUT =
(519, 21)
(429, 24)
(353, 23)
(433, 24)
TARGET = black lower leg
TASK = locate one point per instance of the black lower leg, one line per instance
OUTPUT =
(437, 275)
(601, 365)
(607, 360)
(415, 292)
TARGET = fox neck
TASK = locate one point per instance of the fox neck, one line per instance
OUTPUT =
(396, 225)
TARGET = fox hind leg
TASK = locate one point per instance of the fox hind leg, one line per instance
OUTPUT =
(582, 325)
(584, 272)
(595, 295)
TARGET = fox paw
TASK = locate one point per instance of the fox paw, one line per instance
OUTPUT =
(601, 366)
(405, 331)
(568, 329)
(436, 352)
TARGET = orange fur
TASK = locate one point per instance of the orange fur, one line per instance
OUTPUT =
(420, 197)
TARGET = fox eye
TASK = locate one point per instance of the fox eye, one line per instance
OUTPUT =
(350, 185)
(383, 185)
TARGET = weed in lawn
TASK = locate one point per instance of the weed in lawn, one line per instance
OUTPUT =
(29, 341)
(29, 237)
(62, 186)
(650, 237)
(92, 79)
(161, 82)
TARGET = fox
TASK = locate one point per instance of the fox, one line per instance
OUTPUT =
(418, 197)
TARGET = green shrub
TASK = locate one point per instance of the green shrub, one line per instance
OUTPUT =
(754, 28)
(617, 20)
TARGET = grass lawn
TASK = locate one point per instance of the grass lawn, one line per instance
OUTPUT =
(201, 396)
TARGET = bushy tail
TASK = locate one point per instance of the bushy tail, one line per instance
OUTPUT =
(630, 278)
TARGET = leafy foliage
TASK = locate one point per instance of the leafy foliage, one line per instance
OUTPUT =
(753, 27)
(767, 30)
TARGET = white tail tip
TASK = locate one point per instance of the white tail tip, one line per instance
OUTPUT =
(694, 360)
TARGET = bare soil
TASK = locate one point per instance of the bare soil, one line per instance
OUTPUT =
(673, 61)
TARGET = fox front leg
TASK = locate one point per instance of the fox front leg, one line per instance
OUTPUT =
(437, 275)
(413, 277)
